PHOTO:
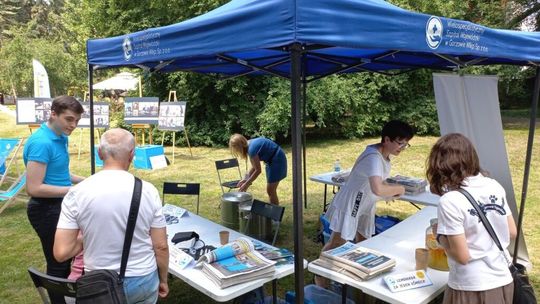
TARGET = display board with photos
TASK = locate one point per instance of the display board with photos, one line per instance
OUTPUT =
(141, 110)
(33, 111)
(171, 116)
(101, 115)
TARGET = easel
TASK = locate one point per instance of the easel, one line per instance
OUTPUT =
(142, 127)
(86, 94)
(80, 141)
(171, 94)
(33, 127)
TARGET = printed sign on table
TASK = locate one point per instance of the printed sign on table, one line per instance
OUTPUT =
(408, 280)
(33, 111)
(141, 110)
(172, 116)
(101, 115)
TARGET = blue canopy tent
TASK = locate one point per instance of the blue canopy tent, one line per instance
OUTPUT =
(305, 40)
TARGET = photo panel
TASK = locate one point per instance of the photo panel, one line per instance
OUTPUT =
(141, 110)
(33, 111)
(172, 116)
(101, 115)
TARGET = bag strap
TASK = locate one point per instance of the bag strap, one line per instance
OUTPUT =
(482, 217)
(132, 219)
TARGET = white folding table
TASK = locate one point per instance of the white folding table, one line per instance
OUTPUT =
(425, 198)
(208, 231)
(399, 242)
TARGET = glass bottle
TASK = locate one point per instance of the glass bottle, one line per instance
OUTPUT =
(436, 256)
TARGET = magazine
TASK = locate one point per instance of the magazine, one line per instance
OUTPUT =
(354, 257)
(353, 273)
(281, 256)
(235, 263)
(413, 185)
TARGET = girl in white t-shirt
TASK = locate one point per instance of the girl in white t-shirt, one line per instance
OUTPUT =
(478, 270)
(352, 211)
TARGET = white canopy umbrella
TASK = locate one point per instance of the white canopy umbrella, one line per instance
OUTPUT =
(122, 81)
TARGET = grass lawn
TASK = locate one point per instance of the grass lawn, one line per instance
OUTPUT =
(20, 247)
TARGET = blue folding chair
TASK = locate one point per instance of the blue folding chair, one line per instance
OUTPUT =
(10, 171)
(9, 196)
(9, 150)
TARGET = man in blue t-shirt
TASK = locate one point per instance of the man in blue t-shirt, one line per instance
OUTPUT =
(48, 178)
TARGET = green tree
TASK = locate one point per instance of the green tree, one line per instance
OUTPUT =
(55, 32)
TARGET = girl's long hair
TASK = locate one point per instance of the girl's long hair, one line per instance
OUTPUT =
(238, 145)
(451, 160)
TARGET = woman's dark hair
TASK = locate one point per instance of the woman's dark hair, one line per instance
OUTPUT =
(395, 129)
(451, 160)
(62, 103)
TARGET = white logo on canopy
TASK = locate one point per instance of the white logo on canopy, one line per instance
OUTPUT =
(128, 51)
(434, 31)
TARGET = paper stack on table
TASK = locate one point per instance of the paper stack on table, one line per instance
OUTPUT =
(413, 185)
(355, 261)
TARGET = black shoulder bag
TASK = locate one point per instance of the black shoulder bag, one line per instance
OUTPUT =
(523, 291)
(106, 286)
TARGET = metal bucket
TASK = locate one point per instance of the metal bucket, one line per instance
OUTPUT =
(230, 202)
(259, 227)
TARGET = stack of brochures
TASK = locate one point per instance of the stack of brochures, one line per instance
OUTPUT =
(235, 263)
(355, 261)
(342, 176)
(413, 185)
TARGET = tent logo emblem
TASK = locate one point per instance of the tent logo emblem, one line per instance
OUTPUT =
(434, 31)
(128, 51)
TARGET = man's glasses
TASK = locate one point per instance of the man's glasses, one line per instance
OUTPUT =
(402, 145)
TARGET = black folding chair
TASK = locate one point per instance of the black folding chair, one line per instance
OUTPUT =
(271, 211)
(46, 284)
(228, 164)
(182, 189)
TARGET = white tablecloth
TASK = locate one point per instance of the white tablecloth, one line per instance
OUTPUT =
(399, 242)
(209, 232)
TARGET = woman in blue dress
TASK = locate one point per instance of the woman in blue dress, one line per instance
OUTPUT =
(261, 149)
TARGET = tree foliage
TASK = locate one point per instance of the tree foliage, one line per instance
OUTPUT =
(55, 33)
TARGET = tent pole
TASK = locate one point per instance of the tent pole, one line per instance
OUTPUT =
(296, 98)
(530, 140)
(304, 116)
(91, 98)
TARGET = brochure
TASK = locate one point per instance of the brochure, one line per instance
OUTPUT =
(173, 213)
(179, 258)
(235, 263)
(281, 256)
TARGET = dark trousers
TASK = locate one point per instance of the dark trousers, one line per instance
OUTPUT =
(43, 214)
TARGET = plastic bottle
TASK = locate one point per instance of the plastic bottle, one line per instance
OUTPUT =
(337, 166)
(436, 256)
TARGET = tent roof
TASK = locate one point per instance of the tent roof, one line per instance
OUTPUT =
(252, 36)
(122, 81)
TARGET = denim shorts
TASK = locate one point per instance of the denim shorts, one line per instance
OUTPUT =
(143, 289)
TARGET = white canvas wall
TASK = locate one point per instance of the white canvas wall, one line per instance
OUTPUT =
(470, 105)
